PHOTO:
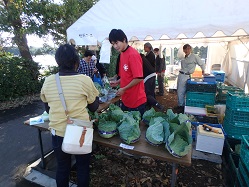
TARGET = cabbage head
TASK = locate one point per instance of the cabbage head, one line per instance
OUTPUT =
(155, 134)
(107, 129)
(179, 143)
(129, 130)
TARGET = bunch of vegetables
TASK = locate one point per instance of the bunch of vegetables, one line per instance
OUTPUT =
(171, 129)
(116, 121)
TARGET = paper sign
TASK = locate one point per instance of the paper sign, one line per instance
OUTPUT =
(36, 120)
(126, 146)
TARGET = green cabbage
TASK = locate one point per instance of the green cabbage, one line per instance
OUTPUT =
(129, 130)
(179, 142)
(107, 129)
(155, 134)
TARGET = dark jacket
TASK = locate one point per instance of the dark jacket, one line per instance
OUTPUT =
(147, 67)
(151, 58)
(160, 64)
(101, 68)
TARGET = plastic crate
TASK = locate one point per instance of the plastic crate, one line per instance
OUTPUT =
(237, 115)
(233, 164)
(244, 152)
(222, 91)
(209, 78)
(240, 182)
(200, 99)
(207, 119)
(219, 75)
(236, 130)
(231, 146)
(194, 86)
(244, 172)
(237, 101)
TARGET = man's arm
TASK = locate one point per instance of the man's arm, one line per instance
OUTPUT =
(131, 84)
(200, 63)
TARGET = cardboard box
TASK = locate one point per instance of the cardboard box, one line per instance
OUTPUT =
(210, 142)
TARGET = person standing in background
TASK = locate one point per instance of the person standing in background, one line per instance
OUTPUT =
(188, 65)
(130, 71)
(87, 64)
(101, 68)
(149, 82)
(150, 56)
(160, 70)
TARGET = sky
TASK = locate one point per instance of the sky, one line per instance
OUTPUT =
(33, 40)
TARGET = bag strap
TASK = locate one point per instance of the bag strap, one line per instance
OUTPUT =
(60, 92)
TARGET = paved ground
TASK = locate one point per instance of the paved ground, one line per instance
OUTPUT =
(19, 144)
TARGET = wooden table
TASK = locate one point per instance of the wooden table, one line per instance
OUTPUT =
(142, 147)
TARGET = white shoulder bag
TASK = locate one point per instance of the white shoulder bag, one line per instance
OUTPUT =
(78, 137)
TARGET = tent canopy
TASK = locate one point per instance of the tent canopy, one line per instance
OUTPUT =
(165, 20)
(220, 24)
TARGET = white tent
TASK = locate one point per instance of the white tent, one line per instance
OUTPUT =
(171, 23)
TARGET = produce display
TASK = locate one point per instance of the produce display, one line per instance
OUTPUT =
(169, 128)
(106, 93)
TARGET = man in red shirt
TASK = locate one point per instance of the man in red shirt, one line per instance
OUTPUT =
(130, 72)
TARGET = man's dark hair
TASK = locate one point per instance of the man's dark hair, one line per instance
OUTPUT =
(147, 44)
(88, 53)
(156, 49)
(117, 35)
(186, 46)
(67, 57)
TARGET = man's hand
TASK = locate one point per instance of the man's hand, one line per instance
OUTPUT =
(114, 83)
(120, 92)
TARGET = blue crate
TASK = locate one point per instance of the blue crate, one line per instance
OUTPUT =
(200, 86)
(209, 78)
(219, 75)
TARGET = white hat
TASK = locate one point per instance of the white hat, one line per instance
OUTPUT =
(94, 57)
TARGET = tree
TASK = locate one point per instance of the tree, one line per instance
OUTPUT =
(40, 17)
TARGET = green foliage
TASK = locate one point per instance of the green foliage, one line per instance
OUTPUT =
(18, 77)
(51, 70)
(40, 17)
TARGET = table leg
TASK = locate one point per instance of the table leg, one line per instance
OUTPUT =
(174, 174)
(41, 149)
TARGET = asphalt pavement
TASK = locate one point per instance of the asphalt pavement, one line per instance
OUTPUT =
(19, 144)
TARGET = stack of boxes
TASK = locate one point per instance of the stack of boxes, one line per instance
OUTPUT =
(236, 125)
(222, 90)
(236, 121)
(200, 94)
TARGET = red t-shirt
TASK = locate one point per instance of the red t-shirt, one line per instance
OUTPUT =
(130, 67)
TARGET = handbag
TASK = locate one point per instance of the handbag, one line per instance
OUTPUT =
(78, 136)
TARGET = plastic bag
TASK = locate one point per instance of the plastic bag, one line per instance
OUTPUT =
(97, 78)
